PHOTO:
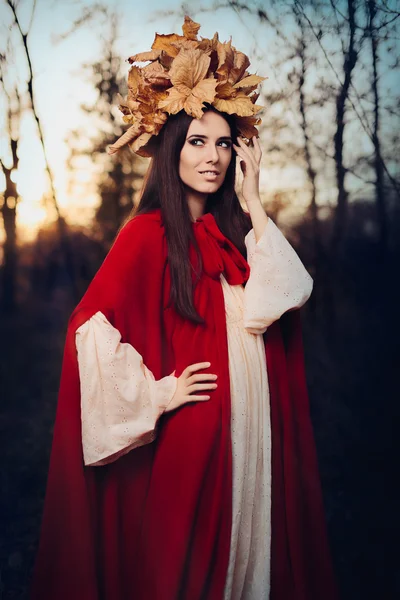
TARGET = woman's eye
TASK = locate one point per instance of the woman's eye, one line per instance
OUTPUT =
(227, 144)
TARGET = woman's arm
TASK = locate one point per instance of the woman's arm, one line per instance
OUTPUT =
(278, 280)
(120, 399)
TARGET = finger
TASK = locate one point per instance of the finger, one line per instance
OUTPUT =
(197, 366)
(248, 163)
(201, 386)
(246, 154)
(257, 147)
(194, 398)
(201, 377)
(248, 150)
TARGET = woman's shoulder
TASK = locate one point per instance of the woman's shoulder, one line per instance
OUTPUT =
(143, 226)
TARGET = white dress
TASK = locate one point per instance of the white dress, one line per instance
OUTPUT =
(121, 401)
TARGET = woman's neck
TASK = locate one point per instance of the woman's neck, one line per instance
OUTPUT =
(196, 204)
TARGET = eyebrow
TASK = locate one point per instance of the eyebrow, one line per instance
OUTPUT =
(224, 137)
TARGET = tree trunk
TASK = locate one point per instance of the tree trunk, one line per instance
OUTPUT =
(9, 271)
(350, 59)
(378, 163)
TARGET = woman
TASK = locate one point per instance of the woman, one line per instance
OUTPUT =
(170, 477)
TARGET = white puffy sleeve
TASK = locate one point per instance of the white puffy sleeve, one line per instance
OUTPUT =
(278, 280)
(120, 398)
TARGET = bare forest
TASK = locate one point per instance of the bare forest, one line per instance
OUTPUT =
(330, 140)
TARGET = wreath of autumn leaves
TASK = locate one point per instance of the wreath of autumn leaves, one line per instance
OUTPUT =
(183, 73)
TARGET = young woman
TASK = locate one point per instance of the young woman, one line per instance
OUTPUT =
(183, 464)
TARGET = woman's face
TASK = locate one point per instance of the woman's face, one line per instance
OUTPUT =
(208, 146)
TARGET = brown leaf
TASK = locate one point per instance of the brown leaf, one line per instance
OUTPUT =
(156, 75)
(254, 97)
(190, 28)
(203, 92)
(163, 42)
(251, 81)
(139, 142)
(241, 62)
(165, 60)
(207, 45)
(189, 67)
(246, 126)
(241, 105)
(225, 90)
(174, 103)
(144, 56)
(225, 60)
(126, 138)
(134, 81)
(184, 43)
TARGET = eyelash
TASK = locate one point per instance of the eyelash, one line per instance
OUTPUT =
(200, 140)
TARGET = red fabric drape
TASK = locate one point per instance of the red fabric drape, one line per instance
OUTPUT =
(155, 524)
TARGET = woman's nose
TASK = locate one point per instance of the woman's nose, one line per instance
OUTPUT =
(213, 153)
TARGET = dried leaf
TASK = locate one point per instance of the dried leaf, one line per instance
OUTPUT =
(241, 105)
(225, 90)
(207, 45)
(163, 42)
(139, 142)
(189, 67)
(144, 56)
(190, 28)
(156, 75)
(184, 73)
(134, 81)
(203, 92)
(126, 138)
(174, 103)
(186, 44)
(225, 60)
(241, 62)
(246, 126)
(249, 82)
(166, 60)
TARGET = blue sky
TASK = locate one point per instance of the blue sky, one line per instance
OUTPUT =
(60, 86)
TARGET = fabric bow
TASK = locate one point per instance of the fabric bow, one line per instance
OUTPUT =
(218, 253)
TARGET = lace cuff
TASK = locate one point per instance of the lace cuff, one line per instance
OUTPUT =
(278, 280)
(120, 399)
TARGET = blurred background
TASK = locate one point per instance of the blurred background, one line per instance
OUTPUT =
(330, 180)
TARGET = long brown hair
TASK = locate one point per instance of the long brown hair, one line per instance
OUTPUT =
(163, 188)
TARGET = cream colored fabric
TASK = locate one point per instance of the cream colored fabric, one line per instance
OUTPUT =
(278, 282)
(120, 398)
(119, 393)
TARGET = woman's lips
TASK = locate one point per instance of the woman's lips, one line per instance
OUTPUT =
(210, 176)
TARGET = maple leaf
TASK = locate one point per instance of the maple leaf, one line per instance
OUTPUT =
(189, 67)
(175, 101)
(190, 87)
(225, 90)
(246, 126)
(190, 28)
(164, 42)
(250, 82)
(241, 62)
(241, 105)
(203, 92)
(155, 74)
(134, 81)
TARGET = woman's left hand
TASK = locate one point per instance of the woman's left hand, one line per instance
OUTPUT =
(250, 159)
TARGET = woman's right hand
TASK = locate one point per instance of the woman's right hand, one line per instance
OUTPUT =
(189, 382)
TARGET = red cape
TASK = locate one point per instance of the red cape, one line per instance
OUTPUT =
(156, 523)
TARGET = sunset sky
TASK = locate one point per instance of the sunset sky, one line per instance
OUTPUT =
(60, 86)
